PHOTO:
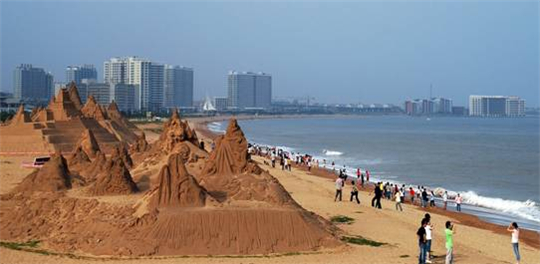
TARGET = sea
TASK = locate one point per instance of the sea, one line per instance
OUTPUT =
(494, 163)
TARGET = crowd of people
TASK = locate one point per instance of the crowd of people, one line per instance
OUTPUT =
(416, 195)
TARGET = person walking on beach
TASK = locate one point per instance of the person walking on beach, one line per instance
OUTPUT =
(411, 192)
(367, 176)
(449, 233)
(282, 162)
(273, 159)
(376, 197)
(362, 179)
(354, 192)
(513, 227)
(424, 198)
(398, 201)
(432, 199)
(445, 199)
(339, 187)
(421, 233)
(358, 172)
(458, 202)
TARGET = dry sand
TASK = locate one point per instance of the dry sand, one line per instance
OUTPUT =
(397, 229)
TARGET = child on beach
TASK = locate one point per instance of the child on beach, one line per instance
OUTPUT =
(449, 233)
(398, 201)
(513, 227)
(354, 192)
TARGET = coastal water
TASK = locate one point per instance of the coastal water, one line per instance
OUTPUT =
(493, 163)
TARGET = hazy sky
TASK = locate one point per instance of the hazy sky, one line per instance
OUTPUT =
(371, 52)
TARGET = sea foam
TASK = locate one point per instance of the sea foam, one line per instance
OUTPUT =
(332, 153)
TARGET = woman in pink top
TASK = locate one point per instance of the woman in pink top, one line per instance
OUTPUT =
(458, 202)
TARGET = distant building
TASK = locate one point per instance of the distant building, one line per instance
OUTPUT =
(249, 90)
(221, 103)
(458, 110)
(100, 91)
(439, 106)
(104, 93)
(178, 86)
(31, 83)
(515, 106)
(124, 96)
(78, 73)
(442, 105)
(496, 106)
(148, 77)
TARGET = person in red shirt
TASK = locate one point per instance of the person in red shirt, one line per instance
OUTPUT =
(367, 176)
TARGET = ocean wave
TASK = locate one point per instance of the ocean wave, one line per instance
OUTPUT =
(216, 127)
(369, 161)
(332, 153)
(526, 209)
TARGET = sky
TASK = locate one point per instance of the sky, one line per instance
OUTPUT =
(335, 52)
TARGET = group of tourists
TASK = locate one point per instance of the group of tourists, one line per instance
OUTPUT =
(416, 195)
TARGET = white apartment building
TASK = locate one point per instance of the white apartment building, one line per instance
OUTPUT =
(147, 76)
(496, 106)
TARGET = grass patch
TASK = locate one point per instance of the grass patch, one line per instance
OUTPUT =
(342, 219)
(358, 240)
(20, 246)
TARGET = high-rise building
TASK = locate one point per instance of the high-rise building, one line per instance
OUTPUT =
(428, 106)
(248, 89)
(221, 103)
(496, 106)
(178, 86)
(100, 91)
(148, 77)
(104, 93)
(31, 83)
(442, 105)
(124, 96)
(78, 73)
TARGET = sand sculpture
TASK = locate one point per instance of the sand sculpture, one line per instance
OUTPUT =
(53, 176)
(176, 187)
(59, 126)
(141, 145)
(218, 204)
(113, 179)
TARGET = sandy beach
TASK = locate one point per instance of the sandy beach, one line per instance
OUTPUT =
(475, 240)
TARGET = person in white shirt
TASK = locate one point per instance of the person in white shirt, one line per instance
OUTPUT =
(339, 187)
(429, 228)
(398, 200)
(513, 227)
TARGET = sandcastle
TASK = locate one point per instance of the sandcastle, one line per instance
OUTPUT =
(220, 203)
(58, 126)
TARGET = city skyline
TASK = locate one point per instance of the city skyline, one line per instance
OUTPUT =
(382, 53)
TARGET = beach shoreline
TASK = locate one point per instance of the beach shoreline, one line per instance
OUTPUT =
(530, 237)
